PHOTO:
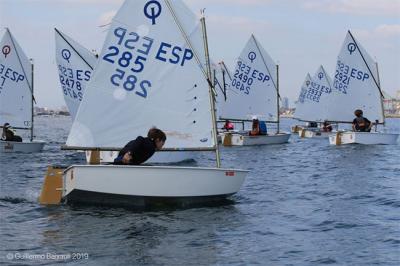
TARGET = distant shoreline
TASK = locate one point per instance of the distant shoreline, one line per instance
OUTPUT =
(392, 116)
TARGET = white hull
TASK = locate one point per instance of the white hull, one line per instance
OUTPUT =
(349, 137)
(305, 133)
(28, 147)
(246, 140)
(124, 185)
(158, 157)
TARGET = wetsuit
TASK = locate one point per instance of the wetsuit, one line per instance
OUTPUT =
(361, 124)
(141, 150)
(10, 136)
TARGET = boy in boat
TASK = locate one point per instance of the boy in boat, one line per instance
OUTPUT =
(255, 128)
(360, 123)
(9, 134)
(326, 127)
(228, 125)
(263, 127)
(141, 149)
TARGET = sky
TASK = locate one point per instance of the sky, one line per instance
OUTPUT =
(300, 35)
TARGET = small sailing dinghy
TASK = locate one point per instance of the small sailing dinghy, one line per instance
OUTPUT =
(75, 65)
(357, 83)
(16, 94)
(161, 78)
(300, 104)
(312, 106)
(254, 91)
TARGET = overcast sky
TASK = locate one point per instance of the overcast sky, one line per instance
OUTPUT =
(298, 34)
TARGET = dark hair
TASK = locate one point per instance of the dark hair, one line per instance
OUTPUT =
(155, 133)
(358, 112)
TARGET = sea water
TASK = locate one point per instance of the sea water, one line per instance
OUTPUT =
(303, 203)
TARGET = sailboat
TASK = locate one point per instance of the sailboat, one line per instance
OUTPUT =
(254, 91)
(75, 66)
(16, 94)
(300, 103)
(165, 79)
(312, 106)
(357, 83)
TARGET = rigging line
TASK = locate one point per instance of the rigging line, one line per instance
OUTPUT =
(22, 66)
(262, 57)
(73, 48)
(188, 41)
(226, 69)
(362, 56)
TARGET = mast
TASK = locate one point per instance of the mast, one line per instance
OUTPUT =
(32, 100)
(211, 94)
(277, 98)
(382, 96)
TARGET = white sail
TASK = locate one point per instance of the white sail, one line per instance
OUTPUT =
(15, 84)
(317, 99)
(253, 90)
(356, 82)
(75, 65)
(148, 74)
(302, 109)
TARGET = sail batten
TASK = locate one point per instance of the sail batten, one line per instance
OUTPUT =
(366, 64)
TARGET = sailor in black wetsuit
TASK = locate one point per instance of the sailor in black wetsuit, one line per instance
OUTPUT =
(361, 123)
(141, 149)
(9, 135)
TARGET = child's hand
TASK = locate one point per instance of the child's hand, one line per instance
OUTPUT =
(127, 158)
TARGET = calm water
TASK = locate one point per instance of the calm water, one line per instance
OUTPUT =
(303, 203)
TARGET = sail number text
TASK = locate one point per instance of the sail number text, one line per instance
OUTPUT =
(344, 74)
(130, 53)
(7, 73)
(244, 77)
(72, 81)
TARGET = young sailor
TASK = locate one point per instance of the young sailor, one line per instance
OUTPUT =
(9, 135)
(263, 128)
(141, 149)
(255, 128)
(361, 123)
(228, 125)
(326, 127)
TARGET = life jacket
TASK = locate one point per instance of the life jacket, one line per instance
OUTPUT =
(229, 126)
(361, 123)
(255, 129)
(327, 128)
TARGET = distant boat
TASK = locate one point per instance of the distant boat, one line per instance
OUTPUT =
(16, 95)
(254, 91)
(158, 79)
(75, 66)
(358, 86)
(313, 104)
